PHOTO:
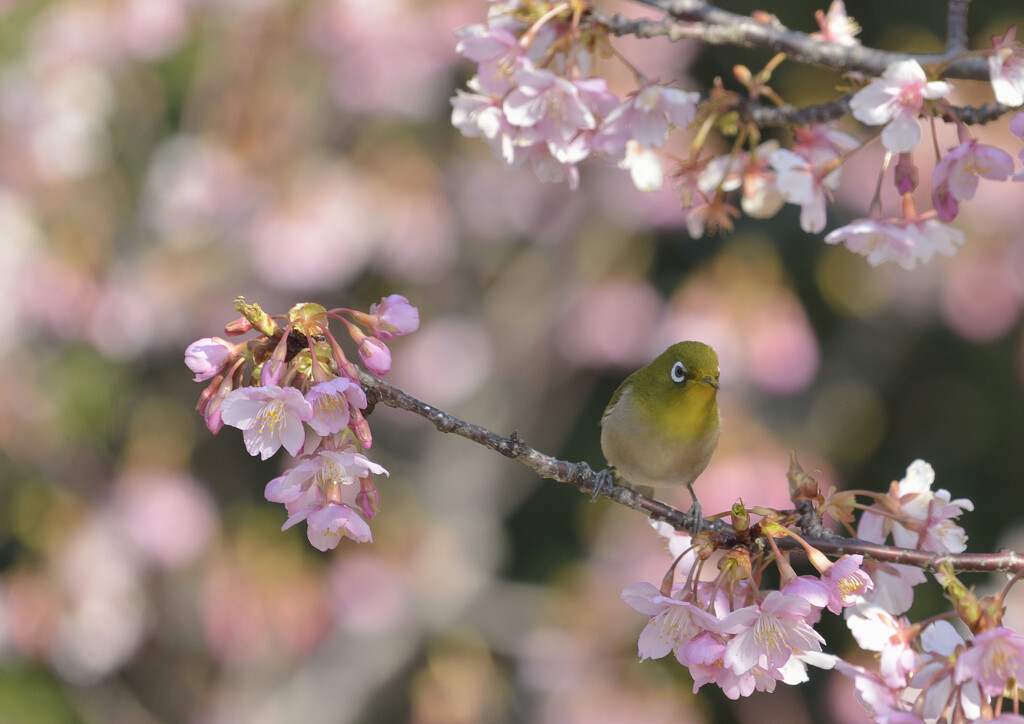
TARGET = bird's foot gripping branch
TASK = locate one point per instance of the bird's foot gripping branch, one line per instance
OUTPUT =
(715, 610)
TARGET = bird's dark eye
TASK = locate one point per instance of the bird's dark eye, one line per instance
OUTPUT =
(678, 372)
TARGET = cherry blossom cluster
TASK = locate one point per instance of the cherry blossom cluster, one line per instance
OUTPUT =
(537, 96)
(534, 98)
(732, 632)
(293, 387)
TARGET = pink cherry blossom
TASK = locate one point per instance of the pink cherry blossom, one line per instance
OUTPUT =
(673, 621)
(822, 143)
(269, 417)
(836, 26)
(846, 582)
(644, 167)
(800, 184)
(555, 107)
(916, 516)
(761, 197)
(896, 99)
(326, 468)
(875, 629)
(1006, 69)
(877, 697)
(647, 116)
(709, 212)
(680, 543)
(704, 656)
(955, 177)
(322, 491)
(935, 677)
(330, 402)
(208, 356)
(496, 51)
(812, 589)
(482, 116)
(768, 633)
(904, 241)
(993, 658)
(328, 524)
(894, 584)
(276, 492)
(395, 317)
(554, 164)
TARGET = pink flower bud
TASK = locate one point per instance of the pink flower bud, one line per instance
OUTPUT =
(212, 411)
(237, 327)
(375, 355)
(360, 428)
(273, 369)
(208, 356)
(368, 498)
(905, 174)
(395, 316)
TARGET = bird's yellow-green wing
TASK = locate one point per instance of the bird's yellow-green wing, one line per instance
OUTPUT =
(617, 395)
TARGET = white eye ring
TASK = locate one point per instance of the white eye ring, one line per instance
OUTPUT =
(678, 372)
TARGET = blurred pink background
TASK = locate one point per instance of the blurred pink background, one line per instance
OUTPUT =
(160, 157)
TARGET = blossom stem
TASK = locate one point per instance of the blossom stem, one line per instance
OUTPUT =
(528, 37)
(1009, 584)
(670, 574)
(876, 201)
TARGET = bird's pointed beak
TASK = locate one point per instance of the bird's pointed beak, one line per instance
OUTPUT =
(710, 381)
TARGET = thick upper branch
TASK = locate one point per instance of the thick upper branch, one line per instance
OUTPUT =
(698, 20)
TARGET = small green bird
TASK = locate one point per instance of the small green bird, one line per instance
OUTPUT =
(662, 424)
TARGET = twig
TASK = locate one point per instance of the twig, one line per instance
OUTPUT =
(1006, 561)
(583, 477)
(765, 116)
(956, 26)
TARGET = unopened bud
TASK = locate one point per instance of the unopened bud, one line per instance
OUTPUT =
(360, 428)
(259, 319)
(905, 174)
(964, 601)
(740, 517)
(368, 498)
(238, 327)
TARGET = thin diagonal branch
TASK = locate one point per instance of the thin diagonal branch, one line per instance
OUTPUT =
(583, 477)
(579, 474)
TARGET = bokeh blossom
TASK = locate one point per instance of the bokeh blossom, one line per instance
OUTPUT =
(836, 26)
